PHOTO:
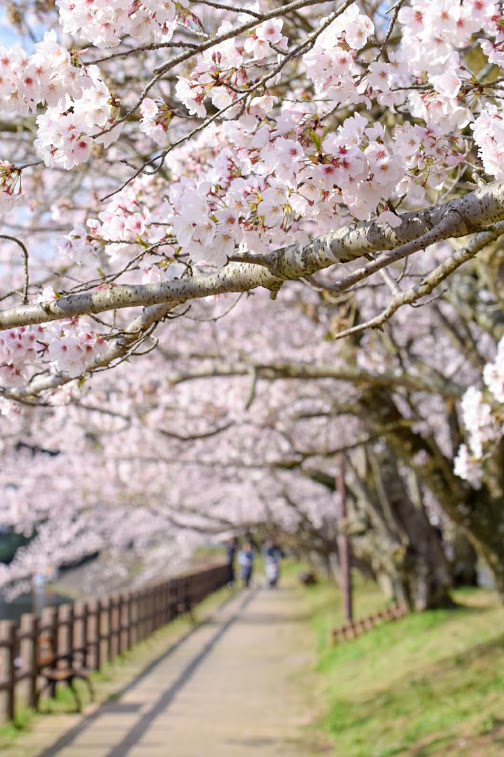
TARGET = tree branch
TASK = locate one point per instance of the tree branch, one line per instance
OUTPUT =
(430, 282)
(307, 371)
(470, 214)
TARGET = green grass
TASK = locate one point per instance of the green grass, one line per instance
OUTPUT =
(428, 684)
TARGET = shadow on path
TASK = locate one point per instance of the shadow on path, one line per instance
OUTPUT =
(139, 728)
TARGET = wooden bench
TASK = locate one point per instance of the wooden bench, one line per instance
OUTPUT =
(56, 668)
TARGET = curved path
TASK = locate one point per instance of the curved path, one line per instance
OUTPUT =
(234, 686)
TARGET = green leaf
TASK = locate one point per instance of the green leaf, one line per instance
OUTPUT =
(316, 139)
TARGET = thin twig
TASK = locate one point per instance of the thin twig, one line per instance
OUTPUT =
(430, 282)
(395, 8)
(24, 253)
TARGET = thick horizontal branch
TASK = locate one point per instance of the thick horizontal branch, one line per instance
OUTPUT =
(307, 371)
(467, 215)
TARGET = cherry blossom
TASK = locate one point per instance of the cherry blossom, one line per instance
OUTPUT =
(166, 168)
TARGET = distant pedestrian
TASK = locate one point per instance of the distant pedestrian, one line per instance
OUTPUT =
(231, 547)
(272, 555)
(246, 558)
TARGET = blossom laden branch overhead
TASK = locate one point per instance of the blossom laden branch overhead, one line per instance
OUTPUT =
(277, 141)
(467, 215)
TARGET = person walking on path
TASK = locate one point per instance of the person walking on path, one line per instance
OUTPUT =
(272, 555)
(246, 558)
(231, 547)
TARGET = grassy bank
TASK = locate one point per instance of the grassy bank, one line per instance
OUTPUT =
(429, 684)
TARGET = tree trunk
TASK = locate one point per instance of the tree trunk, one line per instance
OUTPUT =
(480, 513)
(402, 543)
(463, 557)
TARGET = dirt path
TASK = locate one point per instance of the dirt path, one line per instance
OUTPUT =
(235, 686)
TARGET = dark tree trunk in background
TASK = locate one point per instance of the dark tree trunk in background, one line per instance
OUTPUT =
(463, 558)
(480, 513)
(391, 534)
(406, 546)
(344, 547)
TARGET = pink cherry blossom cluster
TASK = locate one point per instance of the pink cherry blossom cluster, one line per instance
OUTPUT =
(331, 63)
(69, 347)
(79, 245)
(279, 171)
(225, 70)
(495, 50)
(466, 467)
(428, 157)
(136, 216)
(258, 44)
(132, 227)
(46, 76)
(262, 182)
(431, 31)
(386, 81)
(79, 106)
(303, 180)
(285, 160)
(105, 22)
(65, 131)
(72, 346)
(156, 118)
(489, 136)
(479, 421)
(482, 421)
(493, 374)
(18, 350)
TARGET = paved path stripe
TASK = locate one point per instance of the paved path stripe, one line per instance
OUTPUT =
(90, 721)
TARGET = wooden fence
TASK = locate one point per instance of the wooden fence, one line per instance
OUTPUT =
(89, 634)
(356, 627)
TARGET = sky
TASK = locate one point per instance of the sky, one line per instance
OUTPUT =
(7, 36)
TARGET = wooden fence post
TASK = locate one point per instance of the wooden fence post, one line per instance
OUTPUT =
(92, 633)
(134, 617)
(26, 645)
(33, 662)
(84, 637)
(129, 619)
(166, 602)
(155, 608)
(11, 639)
(144, 604)
(109, 608)
(120, 624)
(55, 641)
(99, 612)
(150, 611)
(70, 634)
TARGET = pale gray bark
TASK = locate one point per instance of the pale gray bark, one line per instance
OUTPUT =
(470, 214)
(305, 371)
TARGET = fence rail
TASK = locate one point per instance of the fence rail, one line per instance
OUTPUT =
(93, 632)
(356, 627)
